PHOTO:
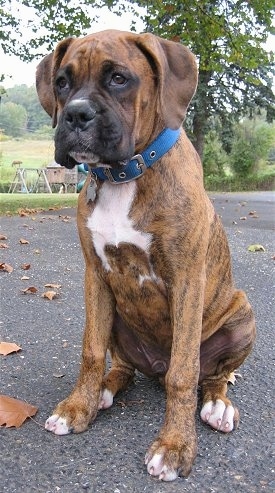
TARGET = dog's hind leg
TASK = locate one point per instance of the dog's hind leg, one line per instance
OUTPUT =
(221, 354)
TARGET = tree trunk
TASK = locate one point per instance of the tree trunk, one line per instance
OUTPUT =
(201, 111)
(199, 132)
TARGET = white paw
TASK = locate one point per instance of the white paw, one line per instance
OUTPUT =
(106, 399)
(156, 467)
(218, 415)
(57, 425)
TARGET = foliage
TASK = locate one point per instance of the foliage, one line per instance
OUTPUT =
(48, 20)
(13, 119)
(237, 184)
(251, 145)
(214, 156)
(45, 132)
(27, 97)
(235, 70)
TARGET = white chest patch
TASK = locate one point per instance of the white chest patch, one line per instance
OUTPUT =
(109, 222)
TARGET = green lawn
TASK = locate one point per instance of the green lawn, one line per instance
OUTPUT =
(32, 153)
(13, 203)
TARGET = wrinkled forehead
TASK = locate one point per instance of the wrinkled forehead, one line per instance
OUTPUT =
(97, 49)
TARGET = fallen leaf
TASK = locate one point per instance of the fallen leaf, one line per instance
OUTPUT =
(14, 412)
(50, 295)
(256, 248)
(25, 266)
(253, 214)
(25, 278)
(24, 242)
(27, 212)
(4, 245)
(3, 237)
(30, 290)
(6, 268)
(54, 286)
(37, 252)
(243, 218)
(8, 347)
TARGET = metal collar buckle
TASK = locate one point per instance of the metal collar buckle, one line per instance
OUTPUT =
(122, 175)
(140, 164)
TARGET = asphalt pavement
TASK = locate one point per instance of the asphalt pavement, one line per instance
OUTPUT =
(109, 457)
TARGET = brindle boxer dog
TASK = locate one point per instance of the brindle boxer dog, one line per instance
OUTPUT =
(158, 286)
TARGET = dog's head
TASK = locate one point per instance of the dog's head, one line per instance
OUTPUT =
(112, 92)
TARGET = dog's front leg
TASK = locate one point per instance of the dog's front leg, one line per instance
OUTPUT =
(80, 408)
(175, 449)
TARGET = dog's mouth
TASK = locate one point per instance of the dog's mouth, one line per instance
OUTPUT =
(85, 157)
(94, 161)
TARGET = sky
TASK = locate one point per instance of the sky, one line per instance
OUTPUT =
(18, 72)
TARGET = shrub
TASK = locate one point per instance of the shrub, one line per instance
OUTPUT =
(252, 144)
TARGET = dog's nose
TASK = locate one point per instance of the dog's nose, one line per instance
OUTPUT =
(79, 114)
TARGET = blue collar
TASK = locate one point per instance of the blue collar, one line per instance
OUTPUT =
(137, 166)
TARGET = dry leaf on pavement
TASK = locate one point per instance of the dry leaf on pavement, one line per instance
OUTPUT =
(8, 347)
(14, 412)
(30, 290)
(6, 267)
(51, 285)
(50, 295)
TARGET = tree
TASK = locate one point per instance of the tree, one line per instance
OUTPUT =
(48, 22)
(27, 97)
(227, 36)
(235, 70)
(214, 156)
(13, 119)
(252, 144)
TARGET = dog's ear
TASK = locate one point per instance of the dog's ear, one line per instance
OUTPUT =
(176, 73)
(45, 74)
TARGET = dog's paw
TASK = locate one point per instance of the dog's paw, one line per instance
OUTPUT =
(72, 415)
(220, 416)
(156, 467)
(57, 425)
(106, 399)
(169, 460)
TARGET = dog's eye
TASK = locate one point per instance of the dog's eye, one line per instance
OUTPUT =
(62, 83)
(118, 80)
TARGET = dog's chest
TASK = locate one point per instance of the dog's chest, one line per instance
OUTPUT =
(110, 222)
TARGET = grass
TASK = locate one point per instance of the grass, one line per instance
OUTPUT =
(14, 203)
(32, 153)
